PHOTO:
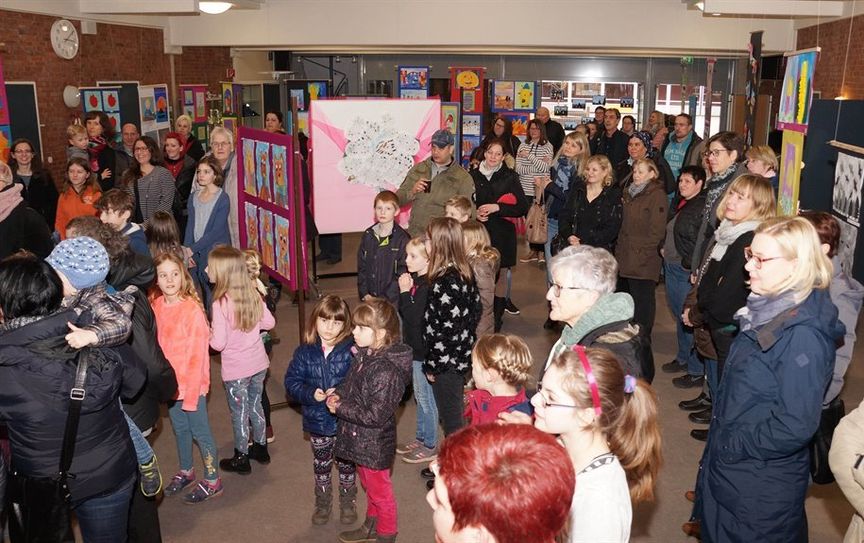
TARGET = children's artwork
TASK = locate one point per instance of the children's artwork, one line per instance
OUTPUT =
(230, 124)
(114, 119)
(188, 97)
(251, 226)
(797, 91)
(466, 85)
(5, 141)
(846, 250)
(520, 123)
(300, 96)
(471, 125)
(525, 95)
(161, 97)
(227, 99)
(200, 106)
(413, 94)
(189, 109)
(361, 148)
(148, 109)
(450, 117)
(265, 231)
(469, 102)
(790, 173)
(317, 90)
(154, 109)
(92, 100)
(303, 122)
(413, 77)
(249, 185)
(280, 176)
(503, 100)
(848, 182)
(262, 170)
(111, 101)
(469, 143)
(283, 242)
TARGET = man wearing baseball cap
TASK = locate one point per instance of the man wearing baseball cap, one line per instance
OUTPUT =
(432, 182)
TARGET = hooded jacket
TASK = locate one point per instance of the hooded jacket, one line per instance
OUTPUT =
(847, 294)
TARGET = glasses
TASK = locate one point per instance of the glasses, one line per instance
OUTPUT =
(22, 152)
(219, 144)
(546, 403)
(140, 149)
(758, 260)
(714, 152)
(556, 289)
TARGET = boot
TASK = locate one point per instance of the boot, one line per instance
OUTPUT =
(364, 534)
(239, 463)
(348, 505)
(498, 312)
(386, 539)
(259, 453)
(323, 505)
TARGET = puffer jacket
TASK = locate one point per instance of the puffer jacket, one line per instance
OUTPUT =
(379, 266)
(37, 370)
(369, 396)
(309, 370)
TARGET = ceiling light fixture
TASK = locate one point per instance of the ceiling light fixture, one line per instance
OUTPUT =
(215, 8)
(716, 14)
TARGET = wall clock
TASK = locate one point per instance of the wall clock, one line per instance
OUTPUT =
(64, 39)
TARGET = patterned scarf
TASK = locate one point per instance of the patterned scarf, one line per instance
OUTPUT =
(96, 145)
(563, 172)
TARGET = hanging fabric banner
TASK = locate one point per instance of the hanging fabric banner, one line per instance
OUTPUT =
(5, 129)
(709, 97)
(797, 92)
(751, 90)
(466, 86)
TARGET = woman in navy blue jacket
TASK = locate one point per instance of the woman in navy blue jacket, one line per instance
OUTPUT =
(756, 466)
(319, 364)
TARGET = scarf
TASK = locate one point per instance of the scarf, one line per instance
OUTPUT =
(634, 189)
(94, 147)
(9, 200)
(563, 172)
(645, 137)
(726, 234)
(609, 308)
(761, 310)
(487, 171)
(175, 166)
(717, 186)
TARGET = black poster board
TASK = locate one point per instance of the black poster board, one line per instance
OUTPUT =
(23, 113)
(130, 110)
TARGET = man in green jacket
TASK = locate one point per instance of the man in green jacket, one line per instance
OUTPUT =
(432, 182)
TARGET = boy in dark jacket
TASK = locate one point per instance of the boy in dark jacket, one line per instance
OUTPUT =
(381, 256)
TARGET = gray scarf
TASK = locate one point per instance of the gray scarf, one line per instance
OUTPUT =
(727, 233)
(761, 310)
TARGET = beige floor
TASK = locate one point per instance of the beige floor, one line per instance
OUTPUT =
(274, 503)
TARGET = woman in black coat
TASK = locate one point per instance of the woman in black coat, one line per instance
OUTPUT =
(39, 192)
(191, 145)
(594, 209)
(20, 226)
(639, 146)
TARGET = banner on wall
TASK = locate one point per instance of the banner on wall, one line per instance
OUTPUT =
(466, 87)
(414, 82)
(232, 95)
(5, 123)
(751, 89)
(797, 92)
(193, 99)
(155, 117)
(790, 173)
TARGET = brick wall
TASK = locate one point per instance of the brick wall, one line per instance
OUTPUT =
(832, 64)
(115, 53)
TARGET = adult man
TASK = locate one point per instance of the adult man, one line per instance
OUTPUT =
(554, 130)
(432, 182)
(124, 154)
(612, 142)
(683, 147)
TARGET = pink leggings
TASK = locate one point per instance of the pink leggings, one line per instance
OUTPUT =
(381, 503)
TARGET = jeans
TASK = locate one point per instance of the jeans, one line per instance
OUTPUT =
(143, 450)
(380, 501)
(244, 401)
(677, 287)
(551, 230)
(322, 463)
(427, 411)
(104, 519)
(448, 389)
(190, 425)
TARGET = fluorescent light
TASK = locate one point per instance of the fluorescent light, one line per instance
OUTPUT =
(215, 8)
(716, 14)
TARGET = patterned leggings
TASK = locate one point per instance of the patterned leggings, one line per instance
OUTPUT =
(322, 452)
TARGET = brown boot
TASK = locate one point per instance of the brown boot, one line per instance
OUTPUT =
(323, 505)
(364, 534)
(348, 505)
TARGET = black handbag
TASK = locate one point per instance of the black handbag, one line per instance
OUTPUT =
(557, 244)
(39, 506)
(821, 442)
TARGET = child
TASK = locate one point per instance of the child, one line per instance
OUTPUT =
(459, 208)
(207, 225)
(163, 236)
(501, 366)
(318, 365)
(82, 264)
(78, 196)
(381, 256)
(184, 336)
(253, 267)
(607, 421)
(115, 208)
(78, 142)
(484, 260)
(239, 315)
(365, 404)
(413, 294)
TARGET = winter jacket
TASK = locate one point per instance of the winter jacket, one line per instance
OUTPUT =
(502, 232)
(454, 181)
(37, 371)
(556, 198)
(484, 271)
(184, 335)
(595, 223)
(847, 294)
(368, 399)
(137, 238)
(194, 148)
(310, 370)
(624, 174)
(41, 195)
(686, 228)
(642, 231)
(484, 408)
(847, 447)
(380, 262)
(723, 288)
(412, 309)
(215, 233)
(714, 189)
(71, 205)
(23, 228)
(755, 469)
(451, 319)
(614, 147)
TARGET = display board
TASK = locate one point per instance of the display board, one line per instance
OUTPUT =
(797, 92)
(362, 147)
(193, 100)
(305, 91)
(24, 117)
(413, 82)
(106, 100)
(510, 96)
(155, 114)
(130, 107)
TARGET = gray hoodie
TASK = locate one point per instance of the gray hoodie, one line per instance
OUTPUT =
(847, 294)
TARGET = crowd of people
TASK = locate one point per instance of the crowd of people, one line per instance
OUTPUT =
(124, 281)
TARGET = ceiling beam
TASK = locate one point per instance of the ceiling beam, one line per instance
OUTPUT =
(173, 7)
(776, 8)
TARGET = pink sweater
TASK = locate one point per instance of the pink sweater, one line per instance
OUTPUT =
(243, 353)
(183, 333)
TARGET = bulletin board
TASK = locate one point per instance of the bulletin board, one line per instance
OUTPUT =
(24, 117)
(130, 110)
(106, 100)
(193, 101)
(155, 111)
(305, 91)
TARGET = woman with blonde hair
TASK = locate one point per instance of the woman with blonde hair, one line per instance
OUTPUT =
(762, 160)
(191, 145)
(592, 214)
(755, 469)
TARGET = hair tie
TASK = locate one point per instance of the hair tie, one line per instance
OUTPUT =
(589, 376)
(629, 384)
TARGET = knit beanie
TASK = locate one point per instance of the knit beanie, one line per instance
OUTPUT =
(84, 261)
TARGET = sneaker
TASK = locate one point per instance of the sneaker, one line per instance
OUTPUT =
(673, 367)
(151, 479)
(688, 381)
(510, 307)
(203, 492)
(180, 482)
(271, 436)
(406, 448)
(530, 257)
(420, 455)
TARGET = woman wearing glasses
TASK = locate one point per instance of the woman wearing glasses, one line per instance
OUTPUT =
(39, 190)
(222, 149)
(148, 181)
(755, 469)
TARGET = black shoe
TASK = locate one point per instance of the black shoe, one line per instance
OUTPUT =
(510, 307)
(699, 434)
(430, 484)
(259, 453)
(426, 473)
(239, 463)
(688, 381)
(701, 417)
(673, 367)
(698, 403)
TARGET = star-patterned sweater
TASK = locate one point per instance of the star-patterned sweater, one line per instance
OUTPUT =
(452, 314)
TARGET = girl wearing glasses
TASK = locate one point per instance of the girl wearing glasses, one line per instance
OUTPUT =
(607, 422)
(755, 469)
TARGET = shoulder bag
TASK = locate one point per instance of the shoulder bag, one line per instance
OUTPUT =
(536, 228)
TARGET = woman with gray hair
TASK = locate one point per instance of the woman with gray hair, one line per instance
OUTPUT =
(20, 226)
(222, 149)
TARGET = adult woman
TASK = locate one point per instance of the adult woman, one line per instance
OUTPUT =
(486, 488)
(533, 159)
(592, 214)
(628, 125)
(20, 226)
(499, 197)
(642, 229)
(761, 160)
(273, 122)
(182, 168)
(755, 469)
(222, 149)
(39, 190)
(149, 181)
(193, 147)
(38, 371)
(103, 161)
(502, 130)
(639, 147)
